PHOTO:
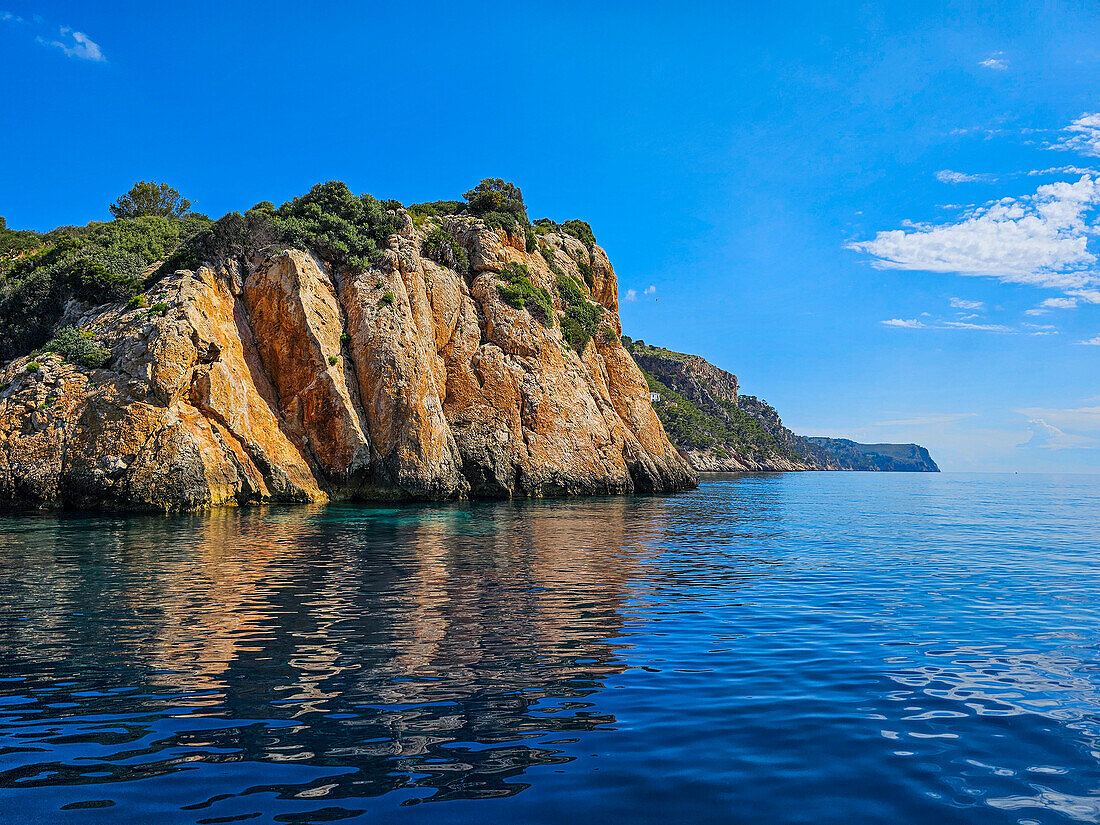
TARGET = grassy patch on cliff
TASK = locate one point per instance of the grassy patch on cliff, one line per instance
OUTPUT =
(517, 291)
(692, 428)
(581, 318)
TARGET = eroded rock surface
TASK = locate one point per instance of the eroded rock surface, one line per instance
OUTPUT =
(279, 378)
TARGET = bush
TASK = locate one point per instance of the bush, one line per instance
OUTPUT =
(137, 302)
(581, 231)
(500, 206)
(32, 366)
(582, 317)
(349, 231)
(435, 209)
(387, 299)
(551, 260)
(80, 347)
(343, 228)
(585, 268)
(332, 359)
(14, 243)
(441, 247)
(518, 292)
(93, 282)
(160, 308)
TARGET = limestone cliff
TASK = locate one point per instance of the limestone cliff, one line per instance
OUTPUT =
(280, 376)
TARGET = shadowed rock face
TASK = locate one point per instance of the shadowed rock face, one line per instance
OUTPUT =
(280, 379)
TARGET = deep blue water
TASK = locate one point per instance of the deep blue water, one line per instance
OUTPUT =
(817, 648)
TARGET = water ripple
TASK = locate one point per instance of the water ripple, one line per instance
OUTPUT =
(788, 648)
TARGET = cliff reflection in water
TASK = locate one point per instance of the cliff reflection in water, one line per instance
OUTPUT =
(389, 648)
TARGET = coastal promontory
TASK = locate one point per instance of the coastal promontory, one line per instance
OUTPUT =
(336, 347)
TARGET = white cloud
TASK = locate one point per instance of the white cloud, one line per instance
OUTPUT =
(1040, 240)
(1059, 303)
(8, 17)
(1092, 342)
(996, 61)
(76, 44)
(948, 176)
(961, 303)
(975, 327)
(1089, 296)
(1041, 329)
(1084, 135)
(947, 325)
(631, 295)
(1046, 436)
(649, 290)
(1064, 170)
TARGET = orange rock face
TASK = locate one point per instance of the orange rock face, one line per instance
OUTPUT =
(286, 380)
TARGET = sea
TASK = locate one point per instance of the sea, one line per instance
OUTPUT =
(780, 648)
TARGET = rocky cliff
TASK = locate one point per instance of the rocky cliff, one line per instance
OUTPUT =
(463, 361)
(720, 430)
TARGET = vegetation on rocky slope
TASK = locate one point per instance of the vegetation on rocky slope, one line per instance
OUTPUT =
(281, 371)
(154, 234)
(705, 416)
(723, 428)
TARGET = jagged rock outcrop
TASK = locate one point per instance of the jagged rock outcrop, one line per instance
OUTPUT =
(282, 378)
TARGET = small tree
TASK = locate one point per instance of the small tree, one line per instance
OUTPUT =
(495, 195)
(150, 198)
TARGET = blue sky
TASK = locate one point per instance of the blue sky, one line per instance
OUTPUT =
(882, 217)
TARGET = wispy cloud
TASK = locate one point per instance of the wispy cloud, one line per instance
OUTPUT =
(1063, 170)
(1040, 329)
(1091, 342)
(649, 290)
(1052, 303)
(949, 176)
(76, 44)
(901, 322)
(975, 327)
(631, 295)
(996, 61)
(961, 303)
(1040, 240)
(1083, 135)
(1059, 303)
(8, 17)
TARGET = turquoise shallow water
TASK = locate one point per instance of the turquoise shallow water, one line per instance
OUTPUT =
(818, 648)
